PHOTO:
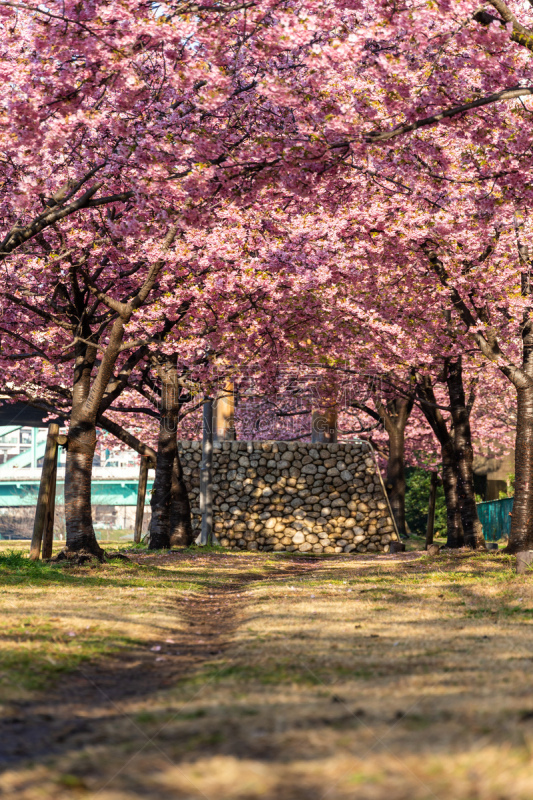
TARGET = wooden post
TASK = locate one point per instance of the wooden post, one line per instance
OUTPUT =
(431, 510)
(44, 513)
(206, 476)
(224, 414)
(324, 425)
(48, 532)
(141, 497)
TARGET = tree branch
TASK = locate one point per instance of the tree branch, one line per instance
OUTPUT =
(128, 438)
(496, 97)
(18, 235)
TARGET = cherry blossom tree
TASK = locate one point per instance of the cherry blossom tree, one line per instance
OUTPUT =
(382, 204)
(163, 110)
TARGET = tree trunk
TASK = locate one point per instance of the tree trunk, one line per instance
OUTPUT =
(78, 475)
(464, 457)
(181, 533)
(454, 525)
(433, 414)
(81, 443)
(521, 536)
(169, 495)
(395, 480)
(161, 493)
(430, 529)
(87, 397)
(395, 416)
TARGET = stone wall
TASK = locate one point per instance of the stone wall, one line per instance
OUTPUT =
(321, 498)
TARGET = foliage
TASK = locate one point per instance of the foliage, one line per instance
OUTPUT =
(509, 492)
(417, 502)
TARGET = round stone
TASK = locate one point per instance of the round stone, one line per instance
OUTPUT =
(309, 469)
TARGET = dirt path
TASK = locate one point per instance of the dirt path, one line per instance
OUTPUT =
(258, 677)
(77, 712)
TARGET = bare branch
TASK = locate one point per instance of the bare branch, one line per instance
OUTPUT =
(39, 311)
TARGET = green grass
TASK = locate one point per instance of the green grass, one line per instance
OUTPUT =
(266, 674)
(40, 645)
(17, 568)
(41, 666)
(387, 677)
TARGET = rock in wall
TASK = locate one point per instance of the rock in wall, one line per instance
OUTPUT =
(320, 498)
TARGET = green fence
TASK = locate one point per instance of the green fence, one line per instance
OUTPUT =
(17, 494)
(495, 516)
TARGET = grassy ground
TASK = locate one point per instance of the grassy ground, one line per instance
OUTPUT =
(224, 675)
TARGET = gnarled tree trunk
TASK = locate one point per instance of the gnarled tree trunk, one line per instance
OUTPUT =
(181, 533)
(89, 391)
(171, 518)
(521, 537)
(81, 443)
(433, 414)
(464, 456)
(454, 525)
(78, 476)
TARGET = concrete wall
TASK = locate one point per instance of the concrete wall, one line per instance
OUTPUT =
(321, 498)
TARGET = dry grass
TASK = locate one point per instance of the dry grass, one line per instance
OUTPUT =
(376, 678)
